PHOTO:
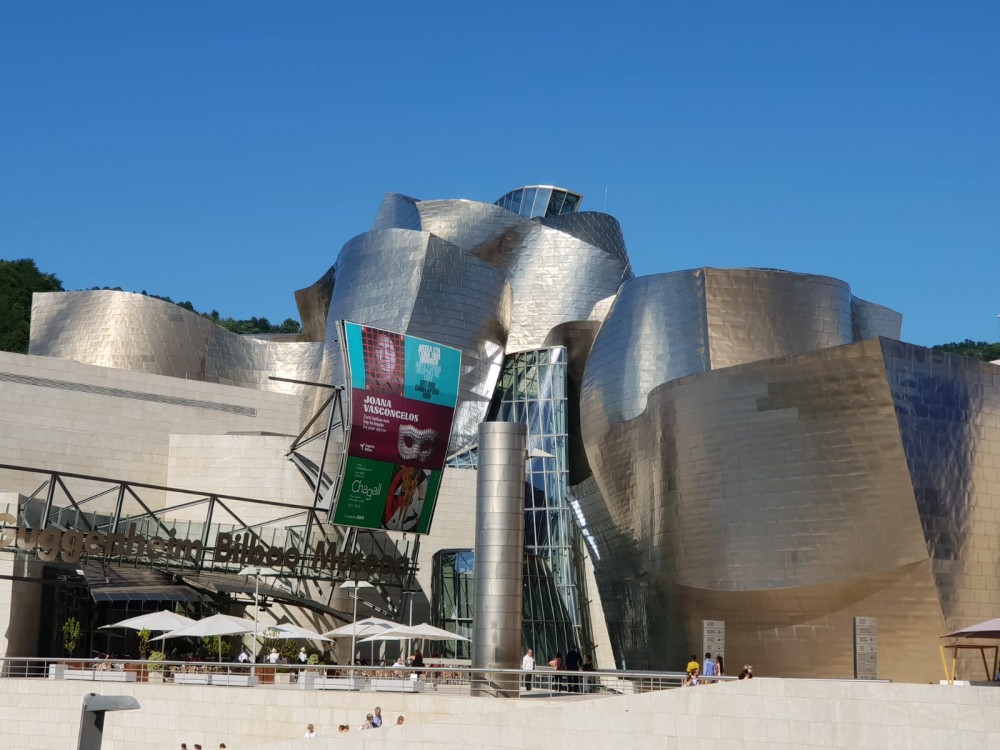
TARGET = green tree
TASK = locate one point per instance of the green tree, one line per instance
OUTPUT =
(974, 349)
(72, 632)
(19, 279)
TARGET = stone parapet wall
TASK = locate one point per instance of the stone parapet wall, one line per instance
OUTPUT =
(761, 713)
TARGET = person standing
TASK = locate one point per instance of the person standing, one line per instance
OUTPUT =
(720, 666)
(574, 661)
(303, 656)
(528, 665)
(559, 665)
(692, 664)
(708, 668)
(377, 718)
(310, 732)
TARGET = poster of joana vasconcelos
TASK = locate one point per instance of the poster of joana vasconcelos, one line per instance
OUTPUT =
(403, 392)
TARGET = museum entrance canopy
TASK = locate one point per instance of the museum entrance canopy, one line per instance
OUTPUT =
(134, 541)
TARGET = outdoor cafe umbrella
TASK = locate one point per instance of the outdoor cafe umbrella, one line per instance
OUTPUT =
(987, 629)
(422, 631)
(366, 627)
(288, 631)
(208, 626)
(361, 629)
(159, 621)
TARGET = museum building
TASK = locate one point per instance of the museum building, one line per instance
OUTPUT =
(750, 447)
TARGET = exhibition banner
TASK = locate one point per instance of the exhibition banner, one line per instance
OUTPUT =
(403, 392)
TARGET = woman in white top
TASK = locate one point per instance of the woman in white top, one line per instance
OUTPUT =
(528, 665)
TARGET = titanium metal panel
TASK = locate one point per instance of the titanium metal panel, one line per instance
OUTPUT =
(143, 334)
(418, 284)
(789, 495)
(556, 278)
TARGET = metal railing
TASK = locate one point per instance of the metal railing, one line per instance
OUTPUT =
(444, 679)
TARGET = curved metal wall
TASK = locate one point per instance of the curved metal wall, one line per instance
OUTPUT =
(143, 334)
(556, 277)
(420, 285)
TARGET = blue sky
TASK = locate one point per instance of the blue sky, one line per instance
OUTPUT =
(223, 152)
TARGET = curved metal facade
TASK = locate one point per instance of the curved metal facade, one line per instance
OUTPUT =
(753, 463)
(418, 284)
(471, 275)
(143, 334)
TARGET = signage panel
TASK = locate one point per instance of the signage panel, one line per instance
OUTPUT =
(865, 648)
(402, 404)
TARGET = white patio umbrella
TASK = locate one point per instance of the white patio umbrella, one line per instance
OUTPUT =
(214, 625)
(164, 620)
(366, 627)
(422, 631)
(289, 631)
(360, 629)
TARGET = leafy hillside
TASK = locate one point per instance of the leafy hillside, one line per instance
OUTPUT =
(974, 349)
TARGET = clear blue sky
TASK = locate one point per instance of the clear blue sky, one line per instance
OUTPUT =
(223, 152)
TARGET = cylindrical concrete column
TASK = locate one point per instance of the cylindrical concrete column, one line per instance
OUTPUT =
(498, 578)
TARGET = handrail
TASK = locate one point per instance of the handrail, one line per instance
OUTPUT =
(444, 677)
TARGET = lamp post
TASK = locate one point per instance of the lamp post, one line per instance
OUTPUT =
(257, 571)
(354, 625)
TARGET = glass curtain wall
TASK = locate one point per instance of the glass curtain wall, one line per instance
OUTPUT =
(452, 602)
(546, 626)
(533, 390)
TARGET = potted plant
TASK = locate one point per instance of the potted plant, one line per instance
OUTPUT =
(307, 677)
(155, 673)
(72, 632)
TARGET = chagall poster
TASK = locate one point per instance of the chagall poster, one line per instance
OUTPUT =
(403, 392)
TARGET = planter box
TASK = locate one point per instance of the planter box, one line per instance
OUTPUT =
(155, 676)
(233, 680)
(284, 678)
(57, 671)
(98, 675)
(191, 678)
(398, 686)
(307, 680)
(78, 674)
(337, 683)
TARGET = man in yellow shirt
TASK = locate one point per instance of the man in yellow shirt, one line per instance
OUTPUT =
(693, 664)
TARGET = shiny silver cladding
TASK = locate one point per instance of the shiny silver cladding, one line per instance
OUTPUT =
(143, 334)
(754, 464)
(418, 284)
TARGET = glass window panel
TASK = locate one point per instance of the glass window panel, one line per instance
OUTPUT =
(528, 202)
(542, 197)
(515, 201)
(556, 202)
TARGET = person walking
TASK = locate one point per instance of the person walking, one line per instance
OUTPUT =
(708, 668)
(528, 665)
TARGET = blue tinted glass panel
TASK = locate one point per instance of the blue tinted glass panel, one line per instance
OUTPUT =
(528, 202)
(570, 204)
(556, 202)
